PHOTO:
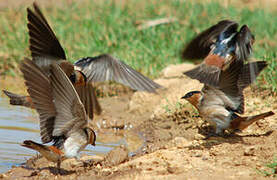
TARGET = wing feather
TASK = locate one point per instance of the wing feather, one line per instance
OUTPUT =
(200, 46)
(108, 68)
(71, 114)
(39, 88)
(43, 41)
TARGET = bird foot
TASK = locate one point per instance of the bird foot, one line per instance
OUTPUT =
(88, 163)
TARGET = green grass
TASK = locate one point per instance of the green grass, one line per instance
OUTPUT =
(271, 169)
(91, 28)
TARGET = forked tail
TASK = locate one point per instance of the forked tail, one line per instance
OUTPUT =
(20, 100)
(243, 122)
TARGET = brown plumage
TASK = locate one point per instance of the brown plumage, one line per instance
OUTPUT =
(221, 105)
(45, 49)
(51, 153)
(63, 119)
(243, 122)
(219, 46)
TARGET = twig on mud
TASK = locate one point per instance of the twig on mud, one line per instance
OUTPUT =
(156, 22)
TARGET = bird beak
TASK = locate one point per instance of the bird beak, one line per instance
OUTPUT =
(184, 97)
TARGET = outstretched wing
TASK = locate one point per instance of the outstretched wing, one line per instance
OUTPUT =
(55, 99)
(71, 114)
(44, 45)
(108, 68)
(237, 77)
(200, 46)
(40, 90)
(244, 40)
(208, 72)
(88, 97)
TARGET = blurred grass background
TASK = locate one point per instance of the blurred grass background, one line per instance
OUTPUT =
(90, 28)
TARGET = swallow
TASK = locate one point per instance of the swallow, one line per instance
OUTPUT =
(219, 46)
(45, 48)
(222, 106)
(63, 119)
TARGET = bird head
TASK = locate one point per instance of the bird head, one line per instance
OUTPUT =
(78, 78)
(193, 97)
(67, 67)
(91, 136)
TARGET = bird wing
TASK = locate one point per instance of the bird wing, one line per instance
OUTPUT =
(40, 90)
(71, 114)
(244, 40)
(206, 73)
(88, 97)
(44, 45)
(108, 68)
(228, 85)
(55, 99)
(249, 73)
(200, 46)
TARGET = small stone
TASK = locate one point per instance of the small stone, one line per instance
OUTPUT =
(116, 156)
(199, 137)
(106, 172)
(198, 155)
(165, 126)
(249, 151)
(171, 169)
(181, 142)
(3, 176)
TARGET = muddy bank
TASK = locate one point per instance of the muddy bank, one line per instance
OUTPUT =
(166, 139)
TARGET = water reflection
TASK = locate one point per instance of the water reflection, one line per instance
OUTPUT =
(18, 124)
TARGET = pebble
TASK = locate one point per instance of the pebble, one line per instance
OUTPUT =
(249, 151)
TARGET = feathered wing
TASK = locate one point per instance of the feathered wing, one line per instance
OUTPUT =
(40, 90)
(244, 40)
(71, 114)
(44, 45)
(108, 68)
(88, 97)
(237, 77)
(249, 73)
(205, 74)
(200, 46)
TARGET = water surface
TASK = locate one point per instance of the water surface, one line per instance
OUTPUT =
(18, 124)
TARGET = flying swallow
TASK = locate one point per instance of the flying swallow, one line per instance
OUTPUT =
(219, 46)
(45, 48)
(222, 106)
(63, 119)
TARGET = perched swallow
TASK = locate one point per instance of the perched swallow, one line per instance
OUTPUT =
(221, 105)
(45, 48)
(63, 119)
(219, 45)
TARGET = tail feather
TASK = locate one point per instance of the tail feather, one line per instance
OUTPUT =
(20, 100)
(35, 146)
(51, 153)
(243, 122)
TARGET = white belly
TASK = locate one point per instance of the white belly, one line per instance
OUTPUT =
(73, 145)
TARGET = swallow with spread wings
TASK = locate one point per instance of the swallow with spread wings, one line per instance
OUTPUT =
(45, 48)
(219, 46)
(222, 106)
(63, 119)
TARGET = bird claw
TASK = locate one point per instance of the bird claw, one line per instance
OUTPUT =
(87, 163)
(214, 134)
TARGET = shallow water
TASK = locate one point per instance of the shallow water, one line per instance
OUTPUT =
(18, 124)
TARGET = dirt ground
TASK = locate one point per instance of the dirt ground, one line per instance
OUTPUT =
(166, 138)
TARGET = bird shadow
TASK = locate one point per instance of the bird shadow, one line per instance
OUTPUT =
(52, 170)
(211, 139)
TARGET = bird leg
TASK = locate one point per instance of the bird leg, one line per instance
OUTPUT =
(59, 166)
